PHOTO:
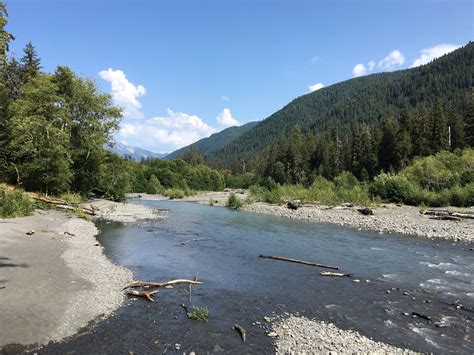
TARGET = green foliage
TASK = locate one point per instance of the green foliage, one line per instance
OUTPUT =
(346, 188)
(174, 193)
(234, 202)
(394, 188)
(199, 313)
(14, 203)
(443, 179)
(364, 100)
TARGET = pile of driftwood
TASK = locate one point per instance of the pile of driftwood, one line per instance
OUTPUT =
(147, 289)
(448, 215)
(64, 205)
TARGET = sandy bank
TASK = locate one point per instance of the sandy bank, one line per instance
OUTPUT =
(391, 219)
(53, 283)
(299, 335)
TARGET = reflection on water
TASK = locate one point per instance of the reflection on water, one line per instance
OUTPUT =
(399, 275)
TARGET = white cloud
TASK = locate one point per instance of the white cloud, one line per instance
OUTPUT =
(165, 133)
(225, 118)
(428, 54)
(314, 59)
(371, 65)
(124, 93)
(359, 70)
(315, 87)
(225, 98)
(394, 58)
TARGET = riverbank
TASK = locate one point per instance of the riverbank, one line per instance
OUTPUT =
(55, 277)
(388, 218)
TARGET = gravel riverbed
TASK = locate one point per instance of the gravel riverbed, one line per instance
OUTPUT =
(300, 335)
(389, 219)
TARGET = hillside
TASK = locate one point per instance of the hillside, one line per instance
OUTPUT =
(216, 141)
(365, 99)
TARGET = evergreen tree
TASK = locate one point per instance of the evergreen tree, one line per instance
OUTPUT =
(30, 63)
(456, 128)
(439, 125)
(388, 157)
(469, 121)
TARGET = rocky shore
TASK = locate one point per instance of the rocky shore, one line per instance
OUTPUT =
(299, 335)
(388, 219)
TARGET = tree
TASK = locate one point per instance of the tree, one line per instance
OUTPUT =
(5, 37)
(469, 121)
(456, 128)
(439, 127)
(39, 143)
(30, 63)
(388, 157)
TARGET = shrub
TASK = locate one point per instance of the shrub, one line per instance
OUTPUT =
(199, 313)
(234, 202)
(346, 181)
(72, 199)
(393, 188)
(174, 193)
(14, 203)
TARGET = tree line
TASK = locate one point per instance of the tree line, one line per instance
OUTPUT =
(53, 129)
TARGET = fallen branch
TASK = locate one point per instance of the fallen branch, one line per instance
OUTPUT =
(334, 274)
(446, 218)
(241, 331)
(159, 284)
(61, 204)
(447, 213)
(146, 294)
(300, 262)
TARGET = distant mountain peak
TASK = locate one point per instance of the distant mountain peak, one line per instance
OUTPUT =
(134, 153)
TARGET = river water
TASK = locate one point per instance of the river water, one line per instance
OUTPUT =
(399, 276)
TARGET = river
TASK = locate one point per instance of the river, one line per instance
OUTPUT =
(399, 275)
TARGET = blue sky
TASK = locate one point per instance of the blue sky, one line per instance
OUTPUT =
(185, 69)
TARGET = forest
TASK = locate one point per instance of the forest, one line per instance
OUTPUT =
(401, 137)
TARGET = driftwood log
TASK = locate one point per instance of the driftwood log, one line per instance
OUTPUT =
(148, 294)
(448, 213)
(446, 218)
(300, 262)
(334, 274)
(159, 284)
(63, 205)
(242, 332)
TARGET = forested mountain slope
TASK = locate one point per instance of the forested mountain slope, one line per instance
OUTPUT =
(366, 99)
(215, 142)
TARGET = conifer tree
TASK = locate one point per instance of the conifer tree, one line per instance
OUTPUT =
(30, 63)
(469, 121)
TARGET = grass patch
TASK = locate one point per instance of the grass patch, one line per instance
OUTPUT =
(234, 202)
(199, 313)
(14, 203)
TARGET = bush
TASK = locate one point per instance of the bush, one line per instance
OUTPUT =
(393, 188)
(174, 193)
(14, 203)
(234, 202)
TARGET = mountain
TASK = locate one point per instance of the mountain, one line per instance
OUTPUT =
(365, 99)
(135, 153)
(216, 141)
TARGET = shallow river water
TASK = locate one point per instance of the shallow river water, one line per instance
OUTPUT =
(399, 276)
